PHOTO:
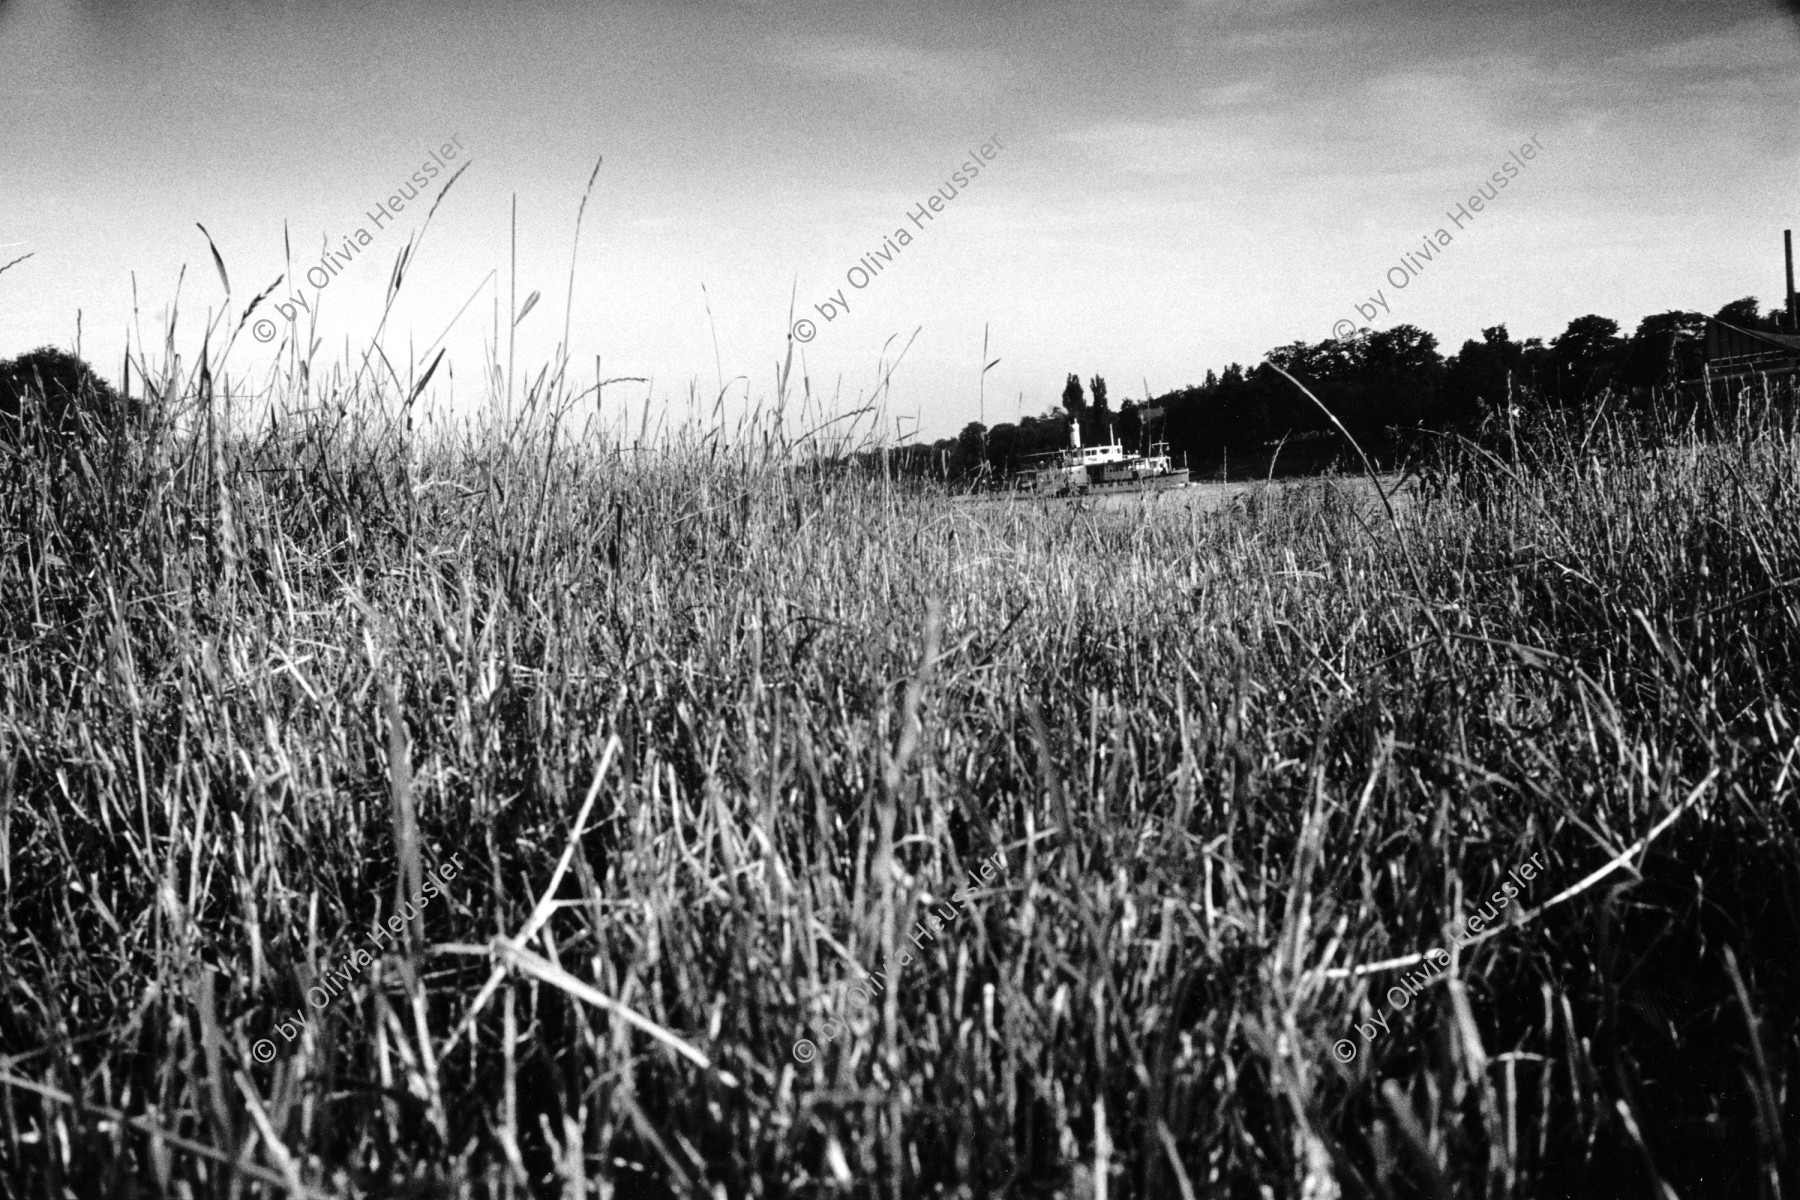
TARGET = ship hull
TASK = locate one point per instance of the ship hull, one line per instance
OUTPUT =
(1088, 487)
(1149, 483)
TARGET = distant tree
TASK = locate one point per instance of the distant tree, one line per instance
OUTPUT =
(1236, 416)
(1404, 349)
(1401, 373)
(1089, 416)
(1317, 363)
(1677, 321)
(1742, 313)
(1097, 388)
(1584, 356)
(1131, 426)
(1039, 435)
(1369, 380)
(969, 453)
(1651, 357)
(1587, 337)
(1481, 376)
(50, 392)
(1072, 398)
(1003, 447)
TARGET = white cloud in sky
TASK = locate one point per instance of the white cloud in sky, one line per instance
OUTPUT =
(925, 77)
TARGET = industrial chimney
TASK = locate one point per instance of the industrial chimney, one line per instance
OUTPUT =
(1793, 309)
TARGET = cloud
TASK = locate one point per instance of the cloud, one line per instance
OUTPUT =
(1169, 148)
(1755, 45)
(921, 76)
(1235, 95)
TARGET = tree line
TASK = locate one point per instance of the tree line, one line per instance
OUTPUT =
(1385, 386)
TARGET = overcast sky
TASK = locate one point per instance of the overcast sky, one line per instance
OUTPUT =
(1181, 185)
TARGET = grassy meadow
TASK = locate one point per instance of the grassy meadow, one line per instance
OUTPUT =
(711, 729)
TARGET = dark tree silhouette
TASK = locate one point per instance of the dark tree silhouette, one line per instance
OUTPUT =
(1482, 376)
(1654, 356)
(1742, 313)
(971, 448)
(1003, 442)
(1072, 398)
(1131, 426)
(1369, 380)
(1584, 356)
(49, 393)
(1587, 337)
(1384, 386)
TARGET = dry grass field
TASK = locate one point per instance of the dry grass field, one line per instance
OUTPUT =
(711, 731)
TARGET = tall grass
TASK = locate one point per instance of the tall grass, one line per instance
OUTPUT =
(711, 729)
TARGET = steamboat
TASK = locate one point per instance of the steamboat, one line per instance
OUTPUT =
(1109, 467)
